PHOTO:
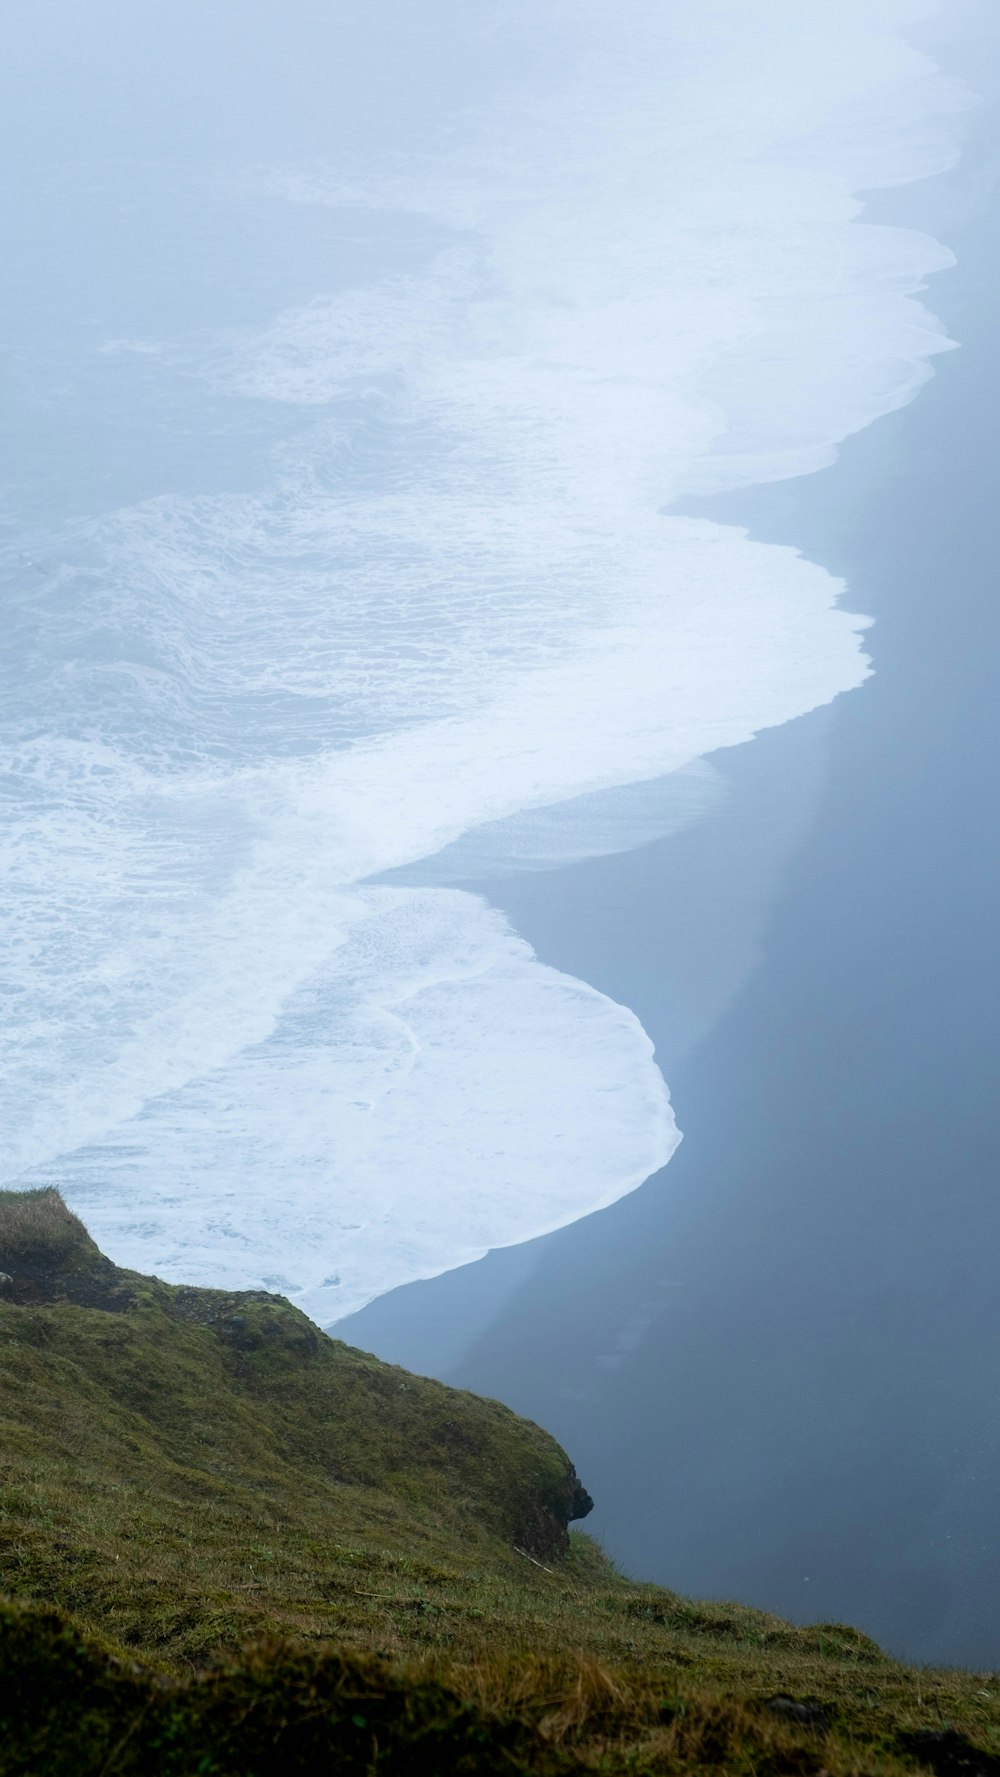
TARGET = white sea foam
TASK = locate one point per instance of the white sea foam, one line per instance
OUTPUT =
(433, 1010)
(453, 634)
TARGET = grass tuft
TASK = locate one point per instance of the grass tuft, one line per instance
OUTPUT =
(38, 1229)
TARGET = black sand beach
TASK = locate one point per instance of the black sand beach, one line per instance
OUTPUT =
(776, 1364)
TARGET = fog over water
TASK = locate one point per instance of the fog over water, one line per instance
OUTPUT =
(598, 267)
(378, 382)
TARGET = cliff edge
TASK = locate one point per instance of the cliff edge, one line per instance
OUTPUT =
(233, 1546)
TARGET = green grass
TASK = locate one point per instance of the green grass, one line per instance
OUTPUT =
(185, 1474)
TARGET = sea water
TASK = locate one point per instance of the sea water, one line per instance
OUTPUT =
(395, 587)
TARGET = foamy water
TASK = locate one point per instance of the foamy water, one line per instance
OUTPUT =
(449, 629)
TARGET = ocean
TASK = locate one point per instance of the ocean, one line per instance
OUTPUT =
(411, 573)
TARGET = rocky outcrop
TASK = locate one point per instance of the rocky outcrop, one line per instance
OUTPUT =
(46, 1255)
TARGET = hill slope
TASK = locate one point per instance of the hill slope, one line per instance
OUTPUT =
(186, 1471)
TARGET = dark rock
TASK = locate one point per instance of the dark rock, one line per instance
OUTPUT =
(807, 1712)
(541, 1526)
(948, 1753)
(101, 1285)
(581, 1503)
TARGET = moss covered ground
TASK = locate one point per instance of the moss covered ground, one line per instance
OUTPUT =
(231, 1545)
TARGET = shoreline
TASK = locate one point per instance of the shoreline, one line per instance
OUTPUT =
(762, 1359)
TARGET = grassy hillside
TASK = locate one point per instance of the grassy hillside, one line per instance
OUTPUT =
(186, 1472)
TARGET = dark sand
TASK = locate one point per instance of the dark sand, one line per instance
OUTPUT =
(776, 1365)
